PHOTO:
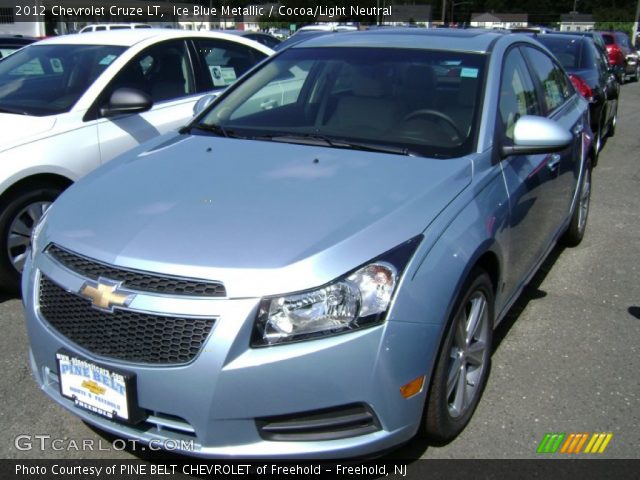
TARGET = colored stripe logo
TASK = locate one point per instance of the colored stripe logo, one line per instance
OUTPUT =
(573, 443)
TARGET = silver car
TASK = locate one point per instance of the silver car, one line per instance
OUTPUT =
(313, 268)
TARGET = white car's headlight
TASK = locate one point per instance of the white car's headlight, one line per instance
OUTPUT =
(358, 300)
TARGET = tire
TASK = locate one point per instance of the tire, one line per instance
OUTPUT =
(446, 412)
(599, 140)
(575, 232)
(18, 215)
(614, 122)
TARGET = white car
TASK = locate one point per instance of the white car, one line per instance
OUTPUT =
(112, 26)
(68, 104)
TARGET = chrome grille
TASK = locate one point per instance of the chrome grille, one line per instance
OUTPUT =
(123, 335)
(134, 279)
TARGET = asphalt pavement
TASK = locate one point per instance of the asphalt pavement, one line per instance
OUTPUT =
(566, 358)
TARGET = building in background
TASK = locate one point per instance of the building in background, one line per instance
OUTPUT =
(499, 20)
(409, 15)
(577, 22)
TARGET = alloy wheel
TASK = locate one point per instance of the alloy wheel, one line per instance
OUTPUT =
(468, 356)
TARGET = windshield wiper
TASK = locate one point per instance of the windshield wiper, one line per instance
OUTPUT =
(12, 110)
(316, 139)
(218, 130)
(303, 138)
(374, 147)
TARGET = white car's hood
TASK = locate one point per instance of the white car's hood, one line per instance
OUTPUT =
(18, 129)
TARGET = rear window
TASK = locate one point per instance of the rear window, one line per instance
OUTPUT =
(608, 39)
(623, 39)
(568, 51)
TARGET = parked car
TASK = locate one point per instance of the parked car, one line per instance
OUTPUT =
(621, 56)
(11, 43)
(260, 37)
(320, 278)
(71, 103)
(112, 26)
(592, 77)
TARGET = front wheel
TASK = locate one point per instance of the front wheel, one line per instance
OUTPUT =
(464, 361)
(19, 215)
(575, 232)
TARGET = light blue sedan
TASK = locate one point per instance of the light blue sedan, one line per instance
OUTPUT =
(314, 266)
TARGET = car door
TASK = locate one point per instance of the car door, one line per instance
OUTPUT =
(559, 102)
(528, 178)
(164, 71)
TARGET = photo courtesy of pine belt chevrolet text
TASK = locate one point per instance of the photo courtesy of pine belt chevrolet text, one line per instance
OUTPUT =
(313, 267)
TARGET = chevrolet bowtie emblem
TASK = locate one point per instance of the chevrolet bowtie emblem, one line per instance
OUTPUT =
(105, 294)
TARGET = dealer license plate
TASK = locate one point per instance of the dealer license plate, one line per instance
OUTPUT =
(101, 390)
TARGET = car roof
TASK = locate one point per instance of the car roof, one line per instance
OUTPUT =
(471, 40)
(566, 37)
(130, 37)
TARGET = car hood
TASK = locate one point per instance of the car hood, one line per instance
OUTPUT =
(262, 217)
(16, 129)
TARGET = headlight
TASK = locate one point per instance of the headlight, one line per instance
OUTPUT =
(358, 300)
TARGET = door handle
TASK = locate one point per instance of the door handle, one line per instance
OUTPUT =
(578, 129)
(553, 162)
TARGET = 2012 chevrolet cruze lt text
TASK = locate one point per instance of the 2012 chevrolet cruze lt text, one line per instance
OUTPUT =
(313, 267)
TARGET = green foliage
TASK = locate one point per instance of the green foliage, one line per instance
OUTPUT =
(626, 27)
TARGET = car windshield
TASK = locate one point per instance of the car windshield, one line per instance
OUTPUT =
(410, 101)
(49, 79)
(566, 50)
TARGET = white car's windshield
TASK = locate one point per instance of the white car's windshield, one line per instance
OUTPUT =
(421, 102)
(49, 79)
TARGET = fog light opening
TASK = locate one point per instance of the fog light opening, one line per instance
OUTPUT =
(412, 388)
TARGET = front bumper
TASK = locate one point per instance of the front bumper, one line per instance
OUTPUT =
(215, 403)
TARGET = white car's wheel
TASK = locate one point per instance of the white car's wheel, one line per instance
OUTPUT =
(19, 215)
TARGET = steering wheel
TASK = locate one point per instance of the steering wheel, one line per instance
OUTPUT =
(427, 112)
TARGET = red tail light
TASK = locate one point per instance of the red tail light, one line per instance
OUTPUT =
(616, 57)
(582, 87)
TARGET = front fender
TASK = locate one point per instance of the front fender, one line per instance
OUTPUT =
(475, 225)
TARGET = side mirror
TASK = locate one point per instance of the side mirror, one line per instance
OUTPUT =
(126, 101)
(204, 102)
(533, 135)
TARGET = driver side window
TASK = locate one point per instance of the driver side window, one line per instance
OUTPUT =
(163, 71)
(517, 93)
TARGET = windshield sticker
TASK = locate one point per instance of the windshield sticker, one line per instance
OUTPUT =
(56, 65)
(222, 76)
(469, 72)
(216, 76)
(107, 60)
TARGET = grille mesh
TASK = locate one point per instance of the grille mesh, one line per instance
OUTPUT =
(136, 280)
(123, 335)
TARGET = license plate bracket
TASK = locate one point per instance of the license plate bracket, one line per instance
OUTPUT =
(105, 391)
